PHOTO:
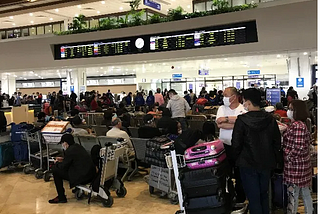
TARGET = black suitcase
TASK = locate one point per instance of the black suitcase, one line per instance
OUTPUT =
(204, 182)
(208, 205)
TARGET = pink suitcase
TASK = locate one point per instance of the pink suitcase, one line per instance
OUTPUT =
(205, 155)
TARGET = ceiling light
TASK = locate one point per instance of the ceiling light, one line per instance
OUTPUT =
(101, 75)
(76, 15)
(97, 71)
(51, 19)
(163, 63)
(32, 22)
(278, 56)
(41, 77)
(305, 53)
(134, 69)
(25, 78)
(36, 74)
(57, 71)
(57, 10)
(103, 2)
(79, 6)
(127, 69)
(98, 12)
(13, 24)
(101, 67)
(11, 17)
(225, 59)
(30, 14)
(121, 8)
(15, 76)
(31, 72)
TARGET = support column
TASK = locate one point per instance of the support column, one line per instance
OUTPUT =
(299, 68)
(8, 84)
(77, 81)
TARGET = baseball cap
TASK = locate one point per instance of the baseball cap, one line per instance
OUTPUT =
(68, 138)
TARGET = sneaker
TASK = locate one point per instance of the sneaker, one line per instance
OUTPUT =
(56, 200)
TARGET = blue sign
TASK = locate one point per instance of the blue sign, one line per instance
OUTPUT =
(176, 76)
(238, 85)
(273, 96)
(176, 79)
(253, 72)
(191, 86)
(300, 82)
(253, 76)
(72, 88)
(203, 72)
(152, 4)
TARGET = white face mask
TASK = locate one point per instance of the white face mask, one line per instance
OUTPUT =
(290, 114)
(226, 101)
(64, 148)
(180, 131)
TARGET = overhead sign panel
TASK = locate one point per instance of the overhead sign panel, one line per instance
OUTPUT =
(231, 34)
(152, 4)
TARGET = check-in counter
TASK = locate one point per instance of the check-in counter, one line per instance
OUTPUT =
(18, 114)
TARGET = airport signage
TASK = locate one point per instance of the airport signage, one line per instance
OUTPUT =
(203, 72)
(152, 4)
(176, 76)
(222, 35)
(273, 96)
(300, 82)
(253, 72)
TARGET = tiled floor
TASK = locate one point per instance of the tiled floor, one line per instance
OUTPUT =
(20, 193)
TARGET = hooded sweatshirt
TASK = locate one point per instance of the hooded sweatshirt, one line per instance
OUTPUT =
(178, 106)
(256, 141)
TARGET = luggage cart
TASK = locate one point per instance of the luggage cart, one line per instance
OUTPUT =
(175, 162)
(110, 155)
(36, 137)
(53, 139)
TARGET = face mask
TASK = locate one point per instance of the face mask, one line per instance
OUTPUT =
(64, 148)
(180, 131)
(226, 101)
(290, 114)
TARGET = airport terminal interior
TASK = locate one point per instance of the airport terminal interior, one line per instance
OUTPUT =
(147, 106)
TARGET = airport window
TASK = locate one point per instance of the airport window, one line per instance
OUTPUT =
(209, 5)
(16, 33)
(201, 6)
(48, 29)
(25, 32)
(10, 34)
(40, 30)
(32, 31)
(238, 2)
(94, 23)
(56, 28)
(3, 35)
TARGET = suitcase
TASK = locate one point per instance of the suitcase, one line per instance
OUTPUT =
(315, 183)
(279, 191)
(17, 131)
(208, 205)
(20, 151)
(6, 154)
(204, 182)
(154, 153)
(205, 155)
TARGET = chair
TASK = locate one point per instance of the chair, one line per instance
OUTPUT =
(139, 120)
(140, 147)
(87, 141)
(134, 131)
(98, 118)
(100, 130)
(196, 121)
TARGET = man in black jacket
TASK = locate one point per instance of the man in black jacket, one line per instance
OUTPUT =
(76, 167)
(149, 130)
(256, 142)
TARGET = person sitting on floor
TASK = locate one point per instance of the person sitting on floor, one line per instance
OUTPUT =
(149, 130)
(76, 167)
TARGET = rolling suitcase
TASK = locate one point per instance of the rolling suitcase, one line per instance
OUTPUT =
(204, 182)
(279, 191)
(205, 155)
(154, 153)
(6, 154)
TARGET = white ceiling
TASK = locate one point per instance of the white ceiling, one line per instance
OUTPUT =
(87, 9)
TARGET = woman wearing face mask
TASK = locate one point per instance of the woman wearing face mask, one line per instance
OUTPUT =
(297, 164)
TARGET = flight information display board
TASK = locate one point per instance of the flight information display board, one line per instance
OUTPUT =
(238, 33)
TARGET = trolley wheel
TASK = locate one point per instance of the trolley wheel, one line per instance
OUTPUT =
(107, 202)
(27, 170)
(79, 194)
(174, 200)
(151, 189)
(39, 174)
(46, 176)
(122, 192)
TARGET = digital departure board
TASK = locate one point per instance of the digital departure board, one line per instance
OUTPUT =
(237, 33)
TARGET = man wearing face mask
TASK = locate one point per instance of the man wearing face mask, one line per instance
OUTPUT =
(226, 117)
(76, 167)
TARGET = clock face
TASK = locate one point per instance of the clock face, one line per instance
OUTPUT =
(139, 43)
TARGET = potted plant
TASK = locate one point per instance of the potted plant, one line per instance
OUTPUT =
(78, 23)
(175, 14)
(107, 23)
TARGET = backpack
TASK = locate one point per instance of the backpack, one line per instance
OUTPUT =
(186, 140)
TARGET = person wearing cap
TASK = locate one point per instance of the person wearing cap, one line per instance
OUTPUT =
(76, 167)
(149, 130)
(116, 131)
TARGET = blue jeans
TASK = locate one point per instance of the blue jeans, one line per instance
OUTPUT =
(256, 186)
(293, 199)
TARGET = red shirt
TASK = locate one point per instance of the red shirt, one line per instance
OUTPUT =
(94, 105)
(296, 151)
(282, 113)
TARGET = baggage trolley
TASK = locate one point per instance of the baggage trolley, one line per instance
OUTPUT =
(110, 155)
(53, 139)
(36, 137)
(175, 161)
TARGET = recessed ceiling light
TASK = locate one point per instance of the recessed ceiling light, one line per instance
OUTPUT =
(225, 59)
(51, 19)
(98, 12)
(57, 10)
(103, 2)
(13, 24)
(30, 14)
(278, 56)
(101, 75)
(32, 22)
(31, 72)
(101, 67)
(305, 53)
(121, 8)
(57, 71)
(11, 17)
(25, 78)
(76, 15)
(79, 6)
(97, 71)
(15, 76)
(127, 69)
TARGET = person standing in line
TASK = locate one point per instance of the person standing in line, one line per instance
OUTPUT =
(150, 99)
(158, 97)
(187, 97)
(256, 144)
(226, 118)
(297, 163)
(139, 100)
(179, 108)
(193, 98)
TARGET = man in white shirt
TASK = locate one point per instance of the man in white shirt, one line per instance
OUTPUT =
(226, 118)
(116, 131)
(179, 108)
